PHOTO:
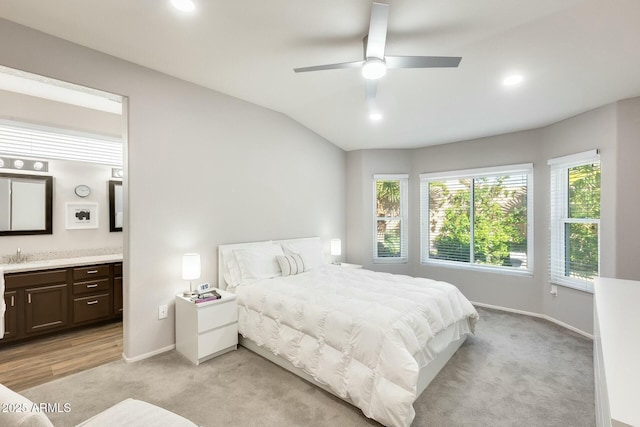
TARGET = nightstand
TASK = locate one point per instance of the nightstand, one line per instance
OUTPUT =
(207, 329)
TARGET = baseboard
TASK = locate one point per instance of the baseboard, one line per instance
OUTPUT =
(147, 355)
(538, 315)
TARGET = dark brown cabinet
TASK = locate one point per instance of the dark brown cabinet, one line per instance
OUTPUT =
(11, 315)
(118, 303)
(92, 293)
(91, 308)
(48, 301)
(45, 308)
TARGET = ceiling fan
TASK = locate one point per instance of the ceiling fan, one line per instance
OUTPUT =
(375, 63)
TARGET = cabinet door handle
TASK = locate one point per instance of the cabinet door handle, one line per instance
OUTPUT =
(92, 302)
(92, 271)
(13, 300)
(95, 285)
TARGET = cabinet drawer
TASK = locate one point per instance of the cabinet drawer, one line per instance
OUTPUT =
(91, 308)
(217, 340)
(81, 273)
(216, 315)
(36, 278)
(99, 285)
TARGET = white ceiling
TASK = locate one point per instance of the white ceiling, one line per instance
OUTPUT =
(575, 55)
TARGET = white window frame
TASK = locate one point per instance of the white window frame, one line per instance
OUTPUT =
(403, 218)
(46, 142)
(559, 193)
(426, 178)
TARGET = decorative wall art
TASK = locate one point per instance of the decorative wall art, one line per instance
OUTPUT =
(81, 216)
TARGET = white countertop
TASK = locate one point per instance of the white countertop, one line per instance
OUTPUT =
(617, 304)
(59, 263)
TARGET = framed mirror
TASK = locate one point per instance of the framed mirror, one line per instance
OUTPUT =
(25, 204)
(116, 210)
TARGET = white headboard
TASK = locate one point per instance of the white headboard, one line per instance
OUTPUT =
(222, 284)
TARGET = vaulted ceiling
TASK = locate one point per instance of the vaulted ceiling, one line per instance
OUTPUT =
(574, 55)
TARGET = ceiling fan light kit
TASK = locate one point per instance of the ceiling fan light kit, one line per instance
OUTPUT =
(375, 61)
(374, 68)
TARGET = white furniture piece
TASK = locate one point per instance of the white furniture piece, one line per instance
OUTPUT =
(18, 411)
(615, 352)
(208, 329)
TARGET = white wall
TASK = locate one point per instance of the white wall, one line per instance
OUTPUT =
(627, 233)
(24, 108)
(66, 176)
(614, 129)
(202, 169)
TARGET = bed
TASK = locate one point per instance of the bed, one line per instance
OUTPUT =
(373, 339)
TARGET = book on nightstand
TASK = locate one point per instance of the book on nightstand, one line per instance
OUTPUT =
(210, 296)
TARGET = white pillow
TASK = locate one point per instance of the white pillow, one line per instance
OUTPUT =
(258, 263)
(309, 249)
(290, 264)
(232, 270)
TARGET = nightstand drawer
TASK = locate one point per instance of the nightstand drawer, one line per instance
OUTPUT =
(217, 315)
(220, 339)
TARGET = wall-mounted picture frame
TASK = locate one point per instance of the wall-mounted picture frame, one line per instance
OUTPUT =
(81, 216)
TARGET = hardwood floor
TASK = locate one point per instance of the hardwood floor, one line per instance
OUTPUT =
(36, 362)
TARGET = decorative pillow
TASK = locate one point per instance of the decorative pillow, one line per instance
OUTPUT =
(258, 263)
(232, 274)
(290, 264)
(309, 249)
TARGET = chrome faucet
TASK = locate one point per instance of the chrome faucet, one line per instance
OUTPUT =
(19, 257)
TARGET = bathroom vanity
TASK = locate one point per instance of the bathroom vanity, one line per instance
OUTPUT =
(47, 297)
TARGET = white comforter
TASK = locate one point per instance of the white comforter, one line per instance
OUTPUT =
(362, 333)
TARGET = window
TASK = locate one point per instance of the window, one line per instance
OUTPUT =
(575, 220)
(25, 139)
(390, 225)
(478, 218)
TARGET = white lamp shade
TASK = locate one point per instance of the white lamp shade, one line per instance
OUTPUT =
(336, 247)
(190, 266)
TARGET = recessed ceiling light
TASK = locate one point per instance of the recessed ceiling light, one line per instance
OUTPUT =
(375, 117)
(513, 80)
(184, 5)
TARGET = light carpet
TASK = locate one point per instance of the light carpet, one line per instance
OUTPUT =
(516, 371)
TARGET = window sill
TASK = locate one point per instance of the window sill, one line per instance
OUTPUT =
(583, 287)
(390, 261)
(479, 267)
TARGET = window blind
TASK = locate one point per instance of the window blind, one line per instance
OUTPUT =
(479, 218)
(22, 139)
(574, 252)
(390, 234)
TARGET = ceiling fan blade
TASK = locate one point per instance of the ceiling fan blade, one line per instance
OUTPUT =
(377, 37)
(371, 89)
(356, 64)
(422, 61)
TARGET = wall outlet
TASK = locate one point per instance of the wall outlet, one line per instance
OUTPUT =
(162, 312)
(554, 290)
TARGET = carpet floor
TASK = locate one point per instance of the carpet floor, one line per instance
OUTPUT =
(516, 371)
